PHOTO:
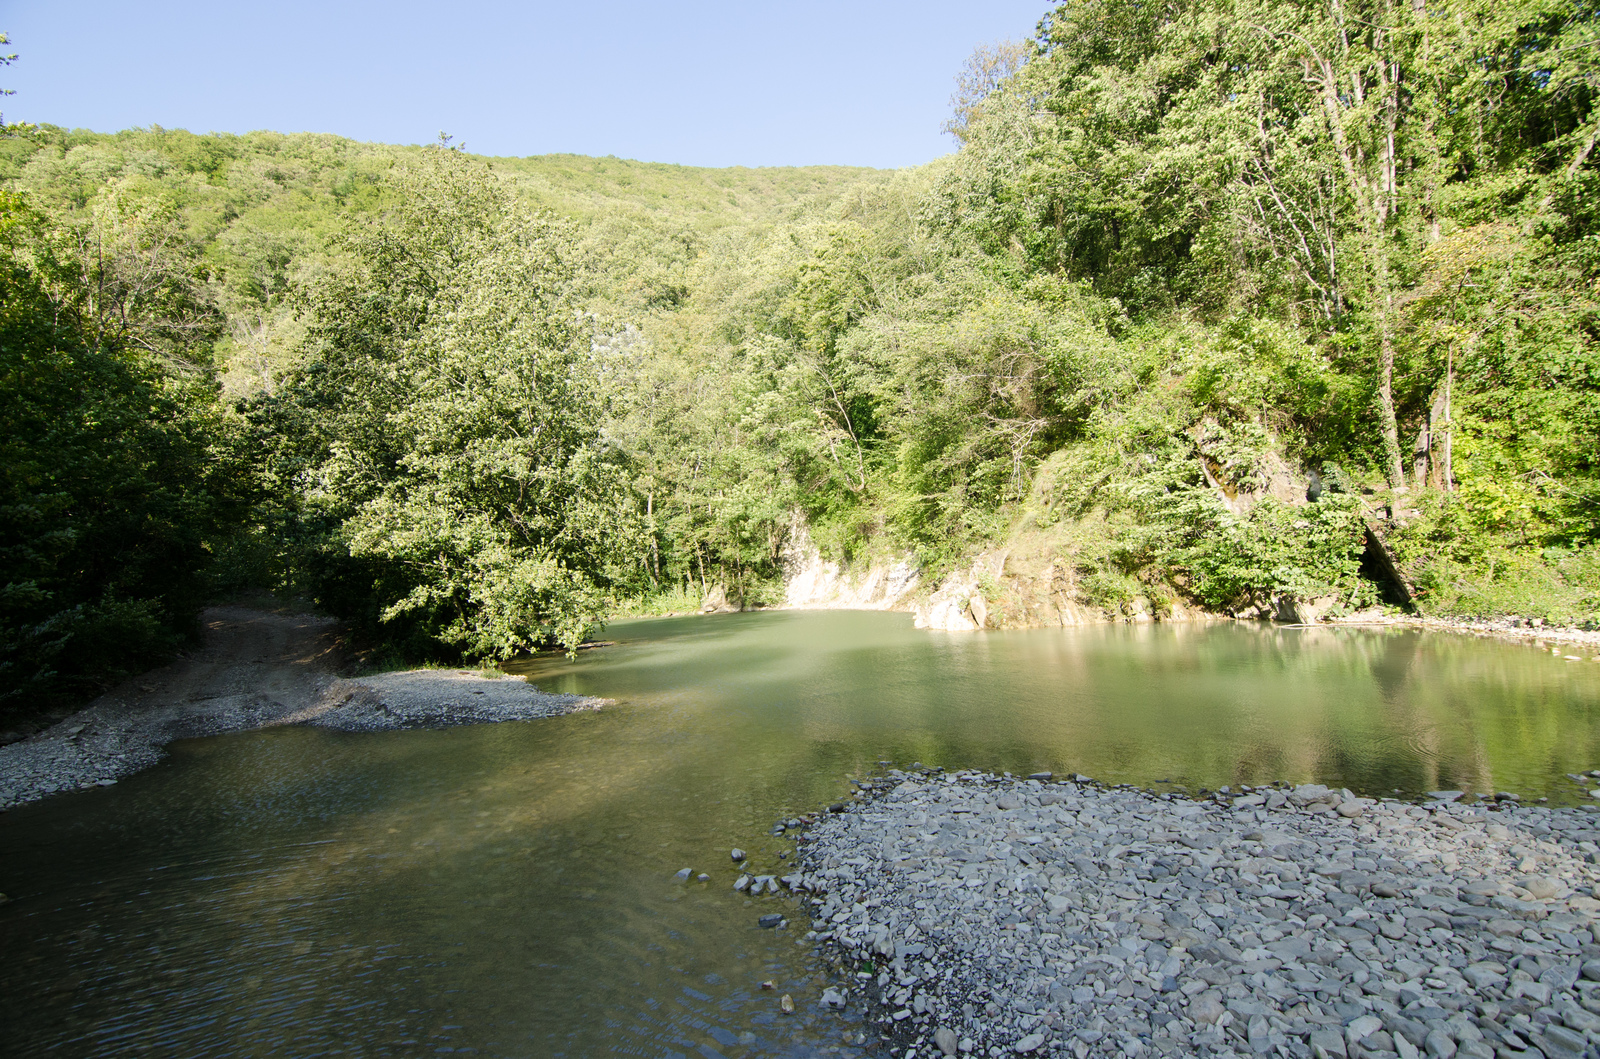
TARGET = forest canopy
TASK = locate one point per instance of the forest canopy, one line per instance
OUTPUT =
(1191, 263)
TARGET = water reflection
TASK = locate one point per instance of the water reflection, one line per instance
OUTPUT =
(508, 889)
(1199, 704)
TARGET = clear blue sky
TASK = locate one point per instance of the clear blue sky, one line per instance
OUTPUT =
(864, 83)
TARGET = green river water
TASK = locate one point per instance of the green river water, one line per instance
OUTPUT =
(508, 889)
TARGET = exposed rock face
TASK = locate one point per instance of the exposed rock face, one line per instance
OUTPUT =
(1271, 477)
(1292, 611)
(811, 582)
(1015, 589)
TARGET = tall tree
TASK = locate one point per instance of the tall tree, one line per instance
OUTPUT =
(455, 457)
(986, 69)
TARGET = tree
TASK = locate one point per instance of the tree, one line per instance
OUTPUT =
(129, 274)
(455, 461)
(6, 60)
(1232, 156)
(110, 496)
(986, 69)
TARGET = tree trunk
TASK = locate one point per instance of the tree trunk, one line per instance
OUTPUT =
(1391, 426)
(655, 541)
(1375, 195)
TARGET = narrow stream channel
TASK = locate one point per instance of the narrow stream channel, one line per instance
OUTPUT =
(508, 889)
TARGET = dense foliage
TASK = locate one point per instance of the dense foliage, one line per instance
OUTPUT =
(1190, 259)
(1195, 242)
(442, 434)
(109, 490)
(374, 376)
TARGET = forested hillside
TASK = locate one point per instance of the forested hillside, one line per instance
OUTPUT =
(1191, 265)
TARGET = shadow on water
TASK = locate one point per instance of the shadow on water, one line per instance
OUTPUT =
(508, 889)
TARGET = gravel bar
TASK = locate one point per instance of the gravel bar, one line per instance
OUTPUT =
(434, 698)
(112, 738)
(997, 916)
(255, 669)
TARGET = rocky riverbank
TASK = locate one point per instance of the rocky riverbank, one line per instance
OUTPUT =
(996, 916)
(255, 669)
(1031, 597)
(1573, 643)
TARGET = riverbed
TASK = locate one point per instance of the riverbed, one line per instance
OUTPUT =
(511, 889)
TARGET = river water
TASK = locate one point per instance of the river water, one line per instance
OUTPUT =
(508, 889)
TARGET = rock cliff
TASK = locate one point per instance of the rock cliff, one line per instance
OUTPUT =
(1018, 586)
(813, 583)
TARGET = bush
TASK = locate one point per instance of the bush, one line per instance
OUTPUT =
(1304, 552)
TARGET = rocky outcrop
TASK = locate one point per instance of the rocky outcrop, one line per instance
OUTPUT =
(813, 583)
(1023, 586)
(1291, 610)
(1053, 572)
(1020, 588)
(1244, 464)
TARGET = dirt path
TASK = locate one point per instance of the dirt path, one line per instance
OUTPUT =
(255, 668)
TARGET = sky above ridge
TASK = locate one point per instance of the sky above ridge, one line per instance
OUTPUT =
(712, 84)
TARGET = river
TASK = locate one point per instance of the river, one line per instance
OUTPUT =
(509, 889)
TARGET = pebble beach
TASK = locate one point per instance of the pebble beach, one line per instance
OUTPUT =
(992, 915)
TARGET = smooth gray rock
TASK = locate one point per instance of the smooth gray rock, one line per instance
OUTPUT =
(1439, 1045)
(1560, 977)
(1327, 1043)
(1558, 1042)
(1361, 1028)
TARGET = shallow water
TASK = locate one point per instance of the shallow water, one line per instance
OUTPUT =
(507, 889)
